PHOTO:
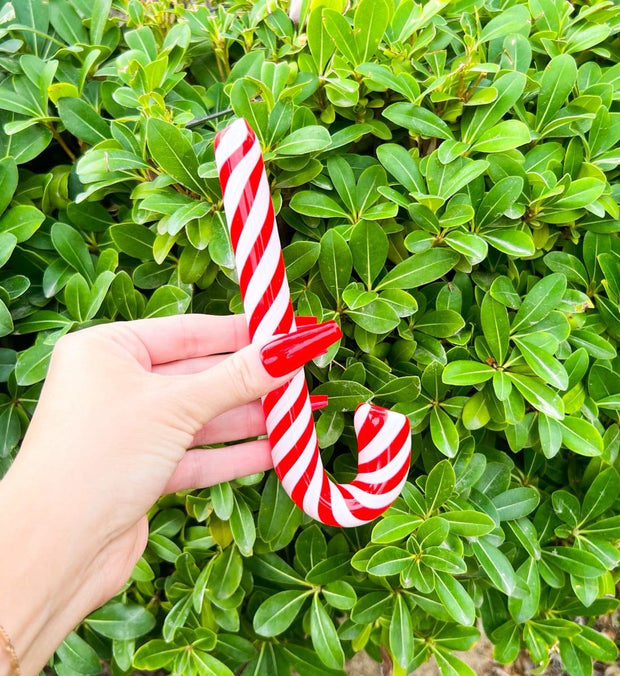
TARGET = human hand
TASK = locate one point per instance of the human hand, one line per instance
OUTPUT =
(121, 405)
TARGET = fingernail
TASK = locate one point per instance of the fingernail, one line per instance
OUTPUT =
(318, 401)
(288, 353)
(306, 320)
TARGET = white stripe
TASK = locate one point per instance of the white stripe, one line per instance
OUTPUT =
(361, 413)
(392, 426)
(238, 180)
(386, 472)
(341, 511)
(231, 140)
(290, 439)
(285, 402)
(292, 477)
(277, 310)
(310, 503)
(254, 222)
(262, 276)
(372, 501)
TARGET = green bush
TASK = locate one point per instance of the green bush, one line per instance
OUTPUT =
(446, 181)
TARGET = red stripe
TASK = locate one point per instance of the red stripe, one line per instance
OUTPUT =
(301, 487)
(358, 510)
(325, 508)
(287, 420)
(388, 454)
(246, 200)
(386, 486)
(228, 166)
(259, 245)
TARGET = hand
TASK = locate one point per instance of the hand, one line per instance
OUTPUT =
(121, 405)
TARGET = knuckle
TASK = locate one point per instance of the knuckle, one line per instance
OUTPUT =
(241, 377)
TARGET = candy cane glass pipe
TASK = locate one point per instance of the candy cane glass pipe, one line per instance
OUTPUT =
(384, 440)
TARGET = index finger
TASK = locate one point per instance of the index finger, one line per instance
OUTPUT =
(177, 337)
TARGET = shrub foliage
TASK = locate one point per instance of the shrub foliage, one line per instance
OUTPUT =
(446, 181)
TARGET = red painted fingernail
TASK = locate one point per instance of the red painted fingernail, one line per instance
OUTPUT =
(307, 320)
(318, 401)
(287, 353)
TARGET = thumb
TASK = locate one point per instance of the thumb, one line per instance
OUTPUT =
(252, 372)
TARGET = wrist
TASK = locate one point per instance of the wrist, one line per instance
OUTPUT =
(40, 589)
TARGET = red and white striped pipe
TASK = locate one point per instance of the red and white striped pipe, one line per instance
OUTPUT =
(384, 439)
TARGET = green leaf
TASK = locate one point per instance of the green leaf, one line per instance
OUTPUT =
(440, 323)
(83, 121)
(502, 137)
(369, 248)
(543, 297)
(72, 248)
(341, 34)
(601, 495)
(174, 154)
(394, 527)
(324, 636)
(523, 609)
(401, 632)
(311, 203)
(511, 20)
(133, 239)
(340, 594)
(580, 193)
(278, 612)
(402, 166)
(122, 621)
(495, 327)
(496, 565)
(77, 654)
(22, 221)
(303, 141)
(8, 181)
(167, 300)
(516, 503)
(335, 263)
(541, 397)
(576, 561)
(498, 200)
(469, 523)
(278, 517)
(419, 269)
(418, 120)
(320, 44)
(455, 599)
(439, 485)
(369, 23)
(377, 317)
(509, 88)
(32, 364)
(541, 362)
(389, 561)
(581, 436)
(465, 372)
(444, 434)
(510, 241)
(595, 645)
(558, 79)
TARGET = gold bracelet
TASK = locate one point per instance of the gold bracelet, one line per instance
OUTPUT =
(10, 648)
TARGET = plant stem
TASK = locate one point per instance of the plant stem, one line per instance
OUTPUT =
(61, 142)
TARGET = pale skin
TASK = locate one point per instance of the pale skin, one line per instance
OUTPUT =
(121, 405)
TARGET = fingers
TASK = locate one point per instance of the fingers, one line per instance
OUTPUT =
(250, 373)
(187, 366)
(242, 422)
(169, 339)
(200, 468)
